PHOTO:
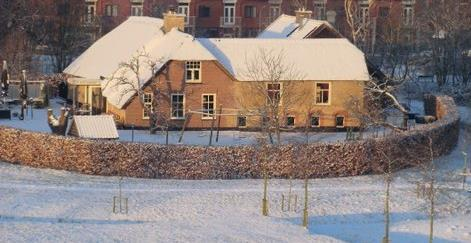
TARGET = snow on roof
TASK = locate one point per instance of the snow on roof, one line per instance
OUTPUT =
(122, 85)
(104, 56)
(285, 26)
(314, 59)
(94, 127)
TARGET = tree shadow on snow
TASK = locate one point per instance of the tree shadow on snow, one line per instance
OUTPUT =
(365, 227)
(50, 220)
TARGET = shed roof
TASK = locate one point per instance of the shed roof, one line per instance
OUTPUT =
(94, 127)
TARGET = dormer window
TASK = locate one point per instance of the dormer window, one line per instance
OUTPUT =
(193, 71)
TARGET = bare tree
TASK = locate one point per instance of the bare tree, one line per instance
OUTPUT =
(445, 31)
(358, 20)
(128, 81)
(273, 90)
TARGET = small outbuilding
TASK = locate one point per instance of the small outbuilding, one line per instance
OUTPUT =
(93, 127)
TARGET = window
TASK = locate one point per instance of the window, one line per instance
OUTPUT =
(183, 8)
(204, 12)
(290, 121)
(315, 121)
(250, 11)
(229, 14)
(147, 100)
(178, 106)
(265, 121)
(339, 121)
(137, 10)
(383, 12)
(319, 7)
(274, 12)
(241, 121)
(209, 102)
(90, 12)
(193, 71)
(111, 10)
(273, 93)
(364, 14)
(407, 14)
(323, 93)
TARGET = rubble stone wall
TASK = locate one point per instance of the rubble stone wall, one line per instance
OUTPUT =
(197, 162)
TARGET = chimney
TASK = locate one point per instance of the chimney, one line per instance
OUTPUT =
(173, 20)
(302, 14)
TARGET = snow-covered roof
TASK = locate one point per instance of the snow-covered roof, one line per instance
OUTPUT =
(94, 127)
(104, 56)
(314, 59)
(121, 86)
(285, 26)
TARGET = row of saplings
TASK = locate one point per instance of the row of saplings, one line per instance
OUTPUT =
(427, 187)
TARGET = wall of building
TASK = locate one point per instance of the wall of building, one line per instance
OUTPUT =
(195, 162)
(238, 98)
(214, 80)
(210, 26)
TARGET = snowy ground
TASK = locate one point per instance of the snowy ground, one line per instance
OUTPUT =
(38, 205)
(38, 122)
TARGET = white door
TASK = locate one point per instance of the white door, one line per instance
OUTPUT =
(184, 9)
(229, 13)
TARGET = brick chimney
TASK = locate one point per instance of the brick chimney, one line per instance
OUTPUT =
(173, 20)
(302, 14)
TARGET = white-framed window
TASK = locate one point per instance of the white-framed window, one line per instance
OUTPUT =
(91, 12)
(323, 93)
(315, 121)
(290, 121)
(273, 93)
(177, 106)
(275, 11)
(407, 14)
(365, 13)
(229, 13)
(137, 10)
(339, 121)
(111, 10)
(147, 101)
(209, 104)
(184, 8)
(319, 8)
(241, 121)
(193, 71)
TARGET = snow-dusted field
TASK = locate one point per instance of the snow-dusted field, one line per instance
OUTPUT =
(39, 205)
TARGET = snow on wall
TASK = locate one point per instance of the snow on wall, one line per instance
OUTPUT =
(198, 162)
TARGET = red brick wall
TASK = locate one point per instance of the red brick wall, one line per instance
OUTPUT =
(214, 81)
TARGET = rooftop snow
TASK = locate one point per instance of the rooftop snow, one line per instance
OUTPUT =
(285, 26)
(314, 59)
(104, 56)
(121, 86)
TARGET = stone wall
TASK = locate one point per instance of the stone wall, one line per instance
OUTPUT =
(197, 162)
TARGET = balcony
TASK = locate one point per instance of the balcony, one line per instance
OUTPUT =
(230, 22)
(91, 20)
(190, 21)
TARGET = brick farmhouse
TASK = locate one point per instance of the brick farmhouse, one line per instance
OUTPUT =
(196, 82)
